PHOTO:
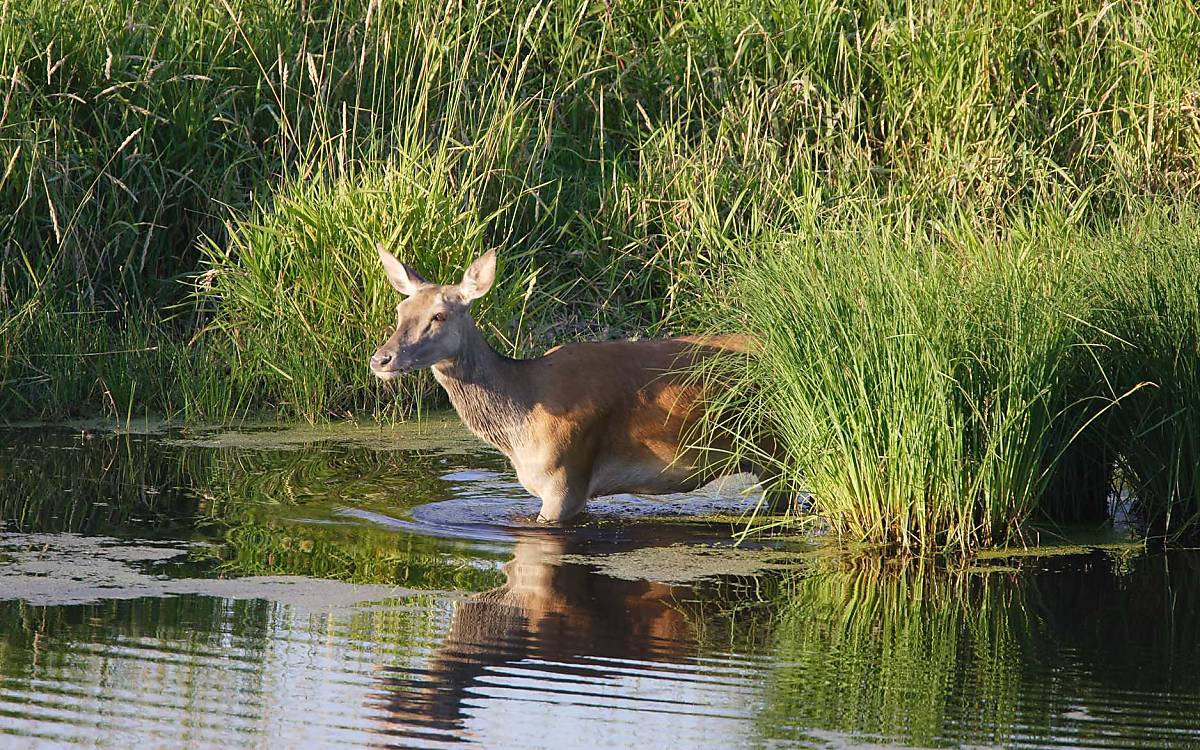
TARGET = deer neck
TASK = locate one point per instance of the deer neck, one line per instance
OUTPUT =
(490, 397)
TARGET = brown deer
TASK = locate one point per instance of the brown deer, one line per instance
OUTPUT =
(582, 421)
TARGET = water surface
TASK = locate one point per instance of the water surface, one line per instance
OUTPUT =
(357, 586)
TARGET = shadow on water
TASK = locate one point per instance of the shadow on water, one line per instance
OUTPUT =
(462, 624)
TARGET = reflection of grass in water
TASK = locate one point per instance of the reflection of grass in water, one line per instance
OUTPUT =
(275, 512)
(320, 479)
(392, 634)
(270, 511)
(871, 650)
(33, 637)
(351, 553)
(209, 643)
(911, 653)
(433, 431)
(55, 482)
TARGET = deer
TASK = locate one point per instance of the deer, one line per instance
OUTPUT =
(585, 419)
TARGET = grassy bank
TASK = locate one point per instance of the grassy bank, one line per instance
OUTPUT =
(191, 194)
(937, 389)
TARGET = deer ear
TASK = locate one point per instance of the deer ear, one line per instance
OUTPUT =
(406, 281)
(479, 277)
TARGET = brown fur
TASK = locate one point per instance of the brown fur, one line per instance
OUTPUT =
(582, 421)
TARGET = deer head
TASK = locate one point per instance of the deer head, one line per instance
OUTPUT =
(433, 323)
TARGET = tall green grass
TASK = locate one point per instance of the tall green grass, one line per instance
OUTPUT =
(306, 269)
(1150, 304)
(936, 388)
(644, 136)
(911, 376)
(128, 131)
(190, 194)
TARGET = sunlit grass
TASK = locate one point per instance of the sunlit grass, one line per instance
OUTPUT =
(901, 197)
(613, 150)
(930, 385)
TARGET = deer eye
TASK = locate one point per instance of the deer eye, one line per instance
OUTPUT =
(439, 317)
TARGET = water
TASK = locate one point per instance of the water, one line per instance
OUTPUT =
(357, 587)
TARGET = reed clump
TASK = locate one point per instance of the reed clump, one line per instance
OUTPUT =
(911, 375)
(306, 268)
(1149, 302)
(939, 389)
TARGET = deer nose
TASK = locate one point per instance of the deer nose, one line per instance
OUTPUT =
(381, 359)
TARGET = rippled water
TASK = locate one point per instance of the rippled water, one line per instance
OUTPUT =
(351, 586)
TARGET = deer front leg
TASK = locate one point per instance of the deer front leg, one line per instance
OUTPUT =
(563, 496)
(560, 474)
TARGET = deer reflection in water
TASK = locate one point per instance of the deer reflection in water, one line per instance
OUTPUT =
(552, 621)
